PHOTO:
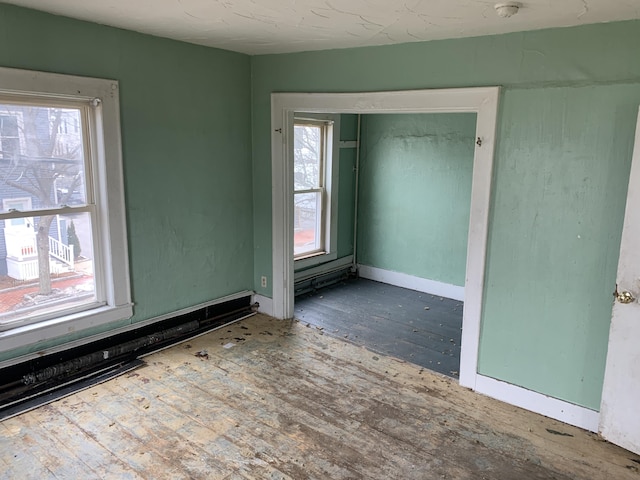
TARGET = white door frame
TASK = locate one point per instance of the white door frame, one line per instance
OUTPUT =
(481, 101)
(618, 407)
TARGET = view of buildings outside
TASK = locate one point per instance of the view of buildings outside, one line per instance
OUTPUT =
(308, 185)
(46, 260)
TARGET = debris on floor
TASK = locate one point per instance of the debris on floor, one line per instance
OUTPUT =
(556, 432)
(202, 354)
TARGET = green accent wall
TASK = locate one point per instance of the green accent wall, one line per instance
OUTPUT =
(559, 199)
(415, 194)
(347, 191)
(565, 134)
(186, 137)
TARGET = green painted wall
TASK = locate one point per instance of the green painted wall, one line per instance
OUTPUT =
(415, 194)
(559, 199)
(568, 109)
(186, 145)
(347, 192)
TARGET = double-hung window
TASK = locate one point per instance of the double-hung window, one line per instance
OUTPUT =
(63, 252)
(315, 189)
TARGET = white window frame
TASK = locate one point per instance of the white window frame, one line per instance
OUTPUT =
(111, 263)
(330, 172)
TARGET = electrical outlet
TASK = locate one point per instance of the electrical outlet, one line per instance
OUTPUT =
(263, 282)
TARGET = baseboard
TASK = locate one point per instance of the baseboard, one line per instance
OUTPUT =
(538, 403)
(266, 304)
(324, 268)
(411, 282)
(117, 331)
(38, 377)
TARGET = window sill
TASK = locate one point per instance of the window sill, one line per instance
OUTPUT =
(314, 259)
(25, 335)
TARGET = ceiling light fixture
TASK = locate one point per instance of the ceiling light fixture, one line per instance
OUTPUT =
(508, 9)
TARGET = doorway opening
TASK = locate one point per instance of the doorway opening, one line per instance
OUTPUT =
(413, 174)
(480, 101)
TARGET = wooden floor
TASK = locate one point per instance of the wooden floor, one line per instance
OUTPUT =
(279, 400)
(418, 327)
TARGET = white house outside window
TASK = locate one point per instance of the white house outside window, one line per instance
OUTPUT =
(61, 183)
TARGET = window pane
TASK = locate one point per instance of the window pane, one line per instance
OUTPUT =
(307, 223)
(41, 156)
(68, 248)
(307, 152)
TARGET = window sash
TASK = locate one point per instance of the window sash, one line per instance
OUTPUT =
(38, 318)
(309, 190)
(99, 298)
(319, 230)
(323, 126)
(88, 126)
(63, 210)
(321, 220)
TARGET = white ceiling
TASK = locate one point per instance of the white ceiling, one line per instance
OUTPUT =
(278, 26)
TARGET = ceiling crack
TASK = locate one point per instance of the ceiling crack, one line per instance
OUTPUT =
(585, 9)
(192, 16)
(319, 15)
(371, 22)
(409, 34)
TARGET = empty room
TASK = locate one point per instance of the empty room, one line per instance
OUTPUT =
(159, 216)
(398, 294)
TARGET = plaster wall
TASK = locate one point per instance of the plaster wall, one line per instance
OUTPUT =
(565, 135)
(185, 113)
(415, 194)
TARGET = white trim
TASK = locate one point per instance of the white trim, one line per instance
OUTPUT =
(539, 403)
(619, 422)
(266, 304)
(324, 268)
(317, 259)
(111, 262)
(37, 333)
(282, 210)
(482, 101)
(487, 119)
(331, 123)
(348, 143)
(411, 282)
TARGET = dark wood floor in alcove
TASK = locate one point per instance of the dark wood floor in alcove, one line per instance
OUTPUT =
(418, 327)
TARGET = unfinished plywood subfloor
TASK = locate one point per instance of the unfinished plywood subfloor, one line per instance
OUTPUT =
(278, 400)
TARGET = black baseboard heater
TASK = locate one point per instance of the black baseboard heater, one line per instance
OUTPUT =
(34, 382)
(309, 285)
